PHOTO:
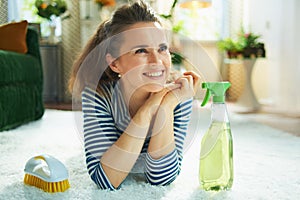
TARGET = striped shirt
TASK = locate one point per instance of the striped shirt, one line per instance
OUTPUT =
(106, 116)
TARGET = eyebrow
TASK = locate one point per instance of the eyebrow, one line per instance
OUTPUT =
(139, 46)
(144, 46)
(163, 44)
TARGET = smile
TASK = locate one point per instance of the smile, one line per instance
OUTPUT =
(154, 74)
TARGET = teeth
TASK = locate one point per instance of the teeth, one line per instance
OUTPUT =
(154, 74)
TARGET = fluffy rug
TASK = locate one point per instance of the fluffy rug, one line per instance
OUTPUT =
(266, 162)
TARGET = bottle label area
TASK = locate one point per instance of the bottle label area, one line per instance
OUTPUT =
(212, 136)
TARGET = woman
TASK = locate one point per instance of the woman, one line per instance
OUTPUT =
(131, 118)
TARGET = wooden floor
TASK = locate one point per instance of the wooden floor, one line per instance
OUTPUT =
(58, 106)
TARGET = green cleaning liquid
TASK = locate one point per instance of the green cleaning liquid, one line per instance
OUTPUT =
(216, 163)
(216, 156)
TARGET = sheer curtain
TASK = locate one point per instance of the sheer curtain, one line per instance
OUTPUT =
(9, 11)
(3, 11)
(288, 95)
(13, 10)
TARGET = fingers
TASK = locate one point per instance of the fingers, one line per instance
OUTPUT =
(189, 79)
(186, 81)
(172, 86)
(183, 81)
(196, 78)
(189, 84)
(183, 88)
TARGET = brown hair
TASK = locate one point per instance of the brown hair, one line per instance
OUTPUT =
(122, 18)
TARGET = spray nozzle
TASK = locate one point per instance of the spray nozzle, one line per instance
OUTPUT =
(217, 89)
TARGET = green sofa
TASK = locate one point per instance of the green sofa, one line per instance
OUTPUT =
(21, 84)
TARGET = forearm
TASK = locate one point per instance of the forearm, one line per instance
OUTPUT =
(119, 159)
(164, 170)
(162, 141)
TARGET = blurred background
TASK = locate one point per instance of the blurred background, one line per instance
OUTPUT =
(274, 78)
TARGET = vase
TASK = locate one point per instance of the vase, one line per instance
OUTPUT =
(52, 39)
(52, 24)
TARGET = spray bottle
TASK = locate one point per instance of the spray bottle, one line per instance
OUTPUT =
(216, 156)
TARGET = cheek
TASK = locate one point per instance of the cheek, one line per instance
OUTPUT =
(165, 58)
(128, 64)
(167, 62)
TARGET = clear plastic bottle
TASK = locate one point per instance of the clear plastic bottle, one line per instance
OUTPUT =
(216, 156)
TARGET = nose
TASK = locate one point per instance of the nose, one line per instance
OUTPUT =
(154, 58)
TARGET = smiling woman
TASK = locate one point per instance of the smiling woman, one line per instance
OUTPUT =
(144, 52)
(132, 121)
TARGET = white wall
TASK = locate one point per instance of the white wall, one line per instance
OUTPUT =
(278, 22)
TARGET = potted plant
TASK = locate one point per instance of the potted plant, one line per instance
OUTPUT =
(231, 47)
(246, 45)
(51, 8)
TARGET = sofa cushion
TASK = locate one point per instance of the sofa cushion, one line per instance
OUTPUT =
(16, 68)
(13, 36)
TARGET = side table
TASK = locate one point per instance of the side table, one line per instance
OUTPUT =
(52, 67)
(247, 101)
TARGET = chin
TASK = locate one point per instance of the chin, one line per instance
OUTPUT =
(154, 87)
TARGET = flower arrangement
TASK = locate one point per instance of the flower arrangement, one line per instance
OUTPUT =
(102, 3)
(49, 8)
(246, 46)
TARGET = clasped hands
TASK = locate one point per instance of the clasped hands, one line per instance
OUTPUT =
(182, 89)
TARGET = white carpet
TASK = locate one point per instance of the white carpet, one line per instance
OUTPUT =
(266, 161)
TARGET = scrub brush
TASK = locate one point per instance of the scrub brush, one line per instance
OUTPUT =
(46, 173)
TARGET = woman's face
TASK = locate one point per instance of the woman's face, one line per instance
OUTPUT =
(144, 60)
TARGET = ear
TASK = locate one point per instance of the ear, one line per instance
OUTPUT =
(111, 61)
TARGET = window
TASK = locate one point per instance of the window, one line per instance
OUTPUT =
(203, 24)
(25, 10)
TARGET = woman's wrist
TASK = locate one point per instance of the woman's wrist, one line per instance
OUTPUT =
(142, 117)
(170, 101)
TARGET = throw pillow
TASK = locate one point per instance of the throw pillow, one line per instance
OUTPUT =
(13, 36)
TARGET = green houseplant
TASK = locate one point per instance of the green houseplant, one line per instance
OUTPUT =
(47, 9)
(246, 45)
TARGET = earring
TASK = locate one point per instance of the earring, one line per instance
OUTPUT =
(119, 75)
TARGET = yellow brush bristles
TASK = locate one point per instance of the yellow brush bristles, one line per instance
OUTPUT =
(46, 186)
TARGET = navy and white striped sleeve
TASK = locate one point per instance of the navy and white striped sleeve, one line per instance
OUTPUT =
(164, 171)
(99, 134)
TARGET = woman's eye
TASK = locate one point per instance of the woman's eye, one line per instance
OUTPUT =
(142, 50)
(163, 48)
